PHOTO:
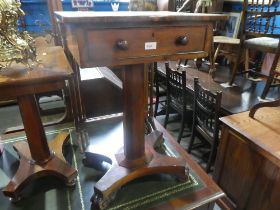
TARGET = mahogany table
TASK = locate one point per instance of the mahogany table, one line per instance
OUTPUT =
(131, 39)
(37, 158)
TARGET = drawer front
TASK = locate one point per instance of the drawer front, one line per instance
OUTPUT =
(112, 45)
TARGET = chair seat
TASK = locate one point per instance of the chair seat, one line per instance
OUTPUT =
(226, 40)
(266, 44)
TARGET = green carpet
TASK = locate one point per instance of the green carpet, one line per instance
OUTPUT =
(41, 195)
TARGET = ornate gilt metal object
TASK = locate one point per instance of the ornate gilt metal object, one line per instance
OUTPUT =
(15, 46)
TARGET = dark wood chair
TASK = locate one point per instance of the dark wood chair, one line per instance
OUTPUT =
(178, 97)
(206, 111)
(260, 32)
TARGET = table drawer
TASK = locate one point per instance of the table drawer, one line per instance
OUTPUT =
(112, 45)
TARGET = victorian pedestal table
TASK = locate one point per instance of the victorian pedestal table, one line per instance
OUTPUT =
(37, 158)
(130, 39)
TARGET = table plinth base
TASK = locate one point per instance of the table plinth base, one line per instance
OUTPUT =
(119, 175)
(29, 169)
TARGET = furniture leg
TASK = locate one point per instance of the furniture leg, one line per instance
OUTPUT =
(272, 74)
(156, 103)
(267, 86)
(212, 62)
(181, 128)
(211, 157)
(74, 101)
(217, 52)
(247, 62)
(1, 149)
(166, 113)
(198, 63)
(191, 141)
(235, 66)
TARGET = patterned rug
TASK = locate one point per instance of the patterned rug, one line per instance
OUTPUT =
(51, 194)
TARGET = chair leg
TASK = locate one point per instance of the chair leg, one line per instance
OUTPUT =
(267, 86)
(157, 101)
(234, 70)
(247, 62)
(272, 74)
(217, 52)
(156, 107)
(181, 129)
(198, 63)
(166, 114)
(211, 157)
(212, 64)
(1, 149)
(191, 141)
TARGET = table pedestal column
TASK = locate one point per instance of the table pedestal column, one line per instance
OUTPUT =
(138, 157)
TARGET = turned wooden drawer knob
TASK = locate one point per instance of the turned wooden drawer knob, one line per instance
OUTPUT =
(122, 45)
(182, 40)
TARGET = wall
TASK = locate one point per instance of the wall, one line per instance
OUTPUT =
(37, 17)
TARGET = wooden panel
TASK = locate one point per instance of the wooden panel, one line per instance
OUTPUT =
(94, 102)
(265, 193)
(239, 169)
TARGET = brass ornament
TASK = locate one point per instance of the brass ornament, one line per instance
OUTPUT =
(15, 46)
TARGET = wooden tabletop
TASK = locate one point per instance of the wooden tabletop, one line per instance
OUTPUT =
(48, 74)
(52, 66)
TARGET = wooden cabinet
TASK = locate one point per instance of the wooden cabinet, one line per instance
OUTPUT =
(248, 160)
